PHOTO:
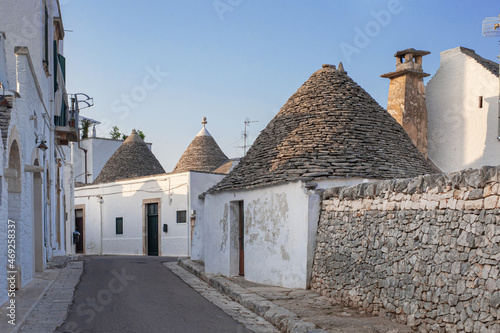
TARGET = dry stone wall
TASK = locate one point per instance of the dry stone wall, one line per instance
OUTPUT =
(424, 251)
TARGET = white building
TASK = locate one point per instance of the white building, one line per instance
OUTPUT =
(462, 105)
(33, 115)
(134, 207)
(261, 220)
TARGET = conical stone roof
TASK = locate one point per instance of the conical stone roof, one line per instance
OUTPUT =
(330, 128)
(133, 159)
(202, 154)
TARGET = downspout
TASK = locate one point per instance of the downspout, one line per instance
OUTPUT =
(76, 112)
(100, 201)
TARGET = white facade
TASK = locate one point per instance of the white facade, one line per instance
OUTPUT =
(32, 183)
(102, 204)
(99, 150)
(280, 225)
(462, 133)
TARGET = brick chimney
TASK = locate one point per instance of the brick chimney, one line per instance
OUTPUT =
(406, 102)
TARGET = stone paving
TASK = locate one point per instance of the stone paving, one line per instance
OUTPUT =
(296, 310)
(26, 299)
(238, 312)
(42, 304)
(52, 307)
(322, 311)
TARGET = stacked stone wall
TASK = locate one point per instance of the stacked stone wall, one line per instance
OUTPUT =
(423, 251)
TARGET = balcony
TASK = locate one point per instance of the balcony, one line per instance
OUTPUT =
(66, 134)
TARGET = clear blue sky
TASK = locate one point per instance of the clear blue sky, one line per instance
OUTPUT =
(232, 60)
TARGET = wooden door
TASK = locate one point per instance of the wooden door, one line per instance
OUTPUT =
(79, 228)
(152, 225)
(241, 237)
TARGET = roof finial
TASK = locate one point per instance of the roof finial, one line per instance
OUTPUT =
(204, 121)
(341, 67)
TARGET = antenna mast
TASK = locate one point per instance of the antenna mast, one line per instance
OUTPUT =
(491, 28)
(245, 135)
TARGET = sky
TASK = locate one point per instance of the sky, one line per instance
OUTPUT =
(162, 65)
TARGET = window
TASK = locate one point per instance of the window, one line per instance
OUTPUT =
(119, 225)
(480, 102)
(152, 209)
(181, 216)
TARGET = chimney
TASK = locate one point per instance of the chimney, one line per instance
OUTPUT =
(406, 102)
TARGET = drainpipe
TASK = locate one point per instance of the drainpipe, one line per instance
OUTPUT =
(100, 201)
(76, 112)
(85, 154)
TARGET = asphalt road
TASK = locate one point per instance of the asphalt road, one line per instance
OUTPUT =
(139, 294)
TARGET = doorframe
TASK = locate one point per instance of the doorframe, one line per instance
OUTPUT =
(241, 237)
(82, 207)
(234, 234)
(145, 225)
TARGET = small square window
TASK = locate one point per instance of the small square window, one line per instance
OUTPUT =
(119, 225)
(181, 216)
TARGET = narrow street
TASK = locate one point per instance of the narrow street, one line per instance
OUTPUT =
(139, 294)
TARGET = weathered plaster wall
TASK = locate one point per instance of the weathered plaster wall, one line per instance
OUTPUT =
(199, 182)
(422, 251)
(461, 134)
(277, 227)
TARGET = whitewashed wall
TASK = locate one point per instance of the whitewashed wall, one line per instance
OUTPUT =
(277, 229)
(125, 199)
(3, 226)
(199, 183)
(280, 232)
(22, 22)
(31, 115)
(461, 135)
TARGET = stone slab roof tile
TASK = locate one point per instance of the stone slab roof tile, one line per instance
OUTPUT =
(132, 159)
(330, 128)
(202, 154)
(488, 64)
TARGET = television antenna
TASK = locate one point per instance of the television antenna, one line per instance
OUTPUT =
(491, 28)
(245, 135)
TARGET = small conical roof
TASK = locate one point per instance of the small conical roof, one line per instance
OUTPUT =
(202, 154)
(330, 128)
(133, 159)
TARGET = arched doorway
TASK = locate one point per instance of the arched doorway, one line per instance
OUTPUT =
(14, 188)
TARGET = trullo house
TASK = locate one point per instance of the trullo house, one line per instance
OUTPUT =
(260, 221)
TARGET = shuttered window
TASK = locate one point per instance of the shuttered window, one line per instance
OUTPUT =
(119, 225)
(181, 216)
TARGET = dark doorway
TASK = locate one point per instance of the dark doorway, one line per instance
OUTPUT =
(152, 228)
(79, 228)
(241, 237)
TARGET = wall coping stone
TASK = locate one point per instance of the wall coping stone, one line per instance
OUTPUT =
(468, 179)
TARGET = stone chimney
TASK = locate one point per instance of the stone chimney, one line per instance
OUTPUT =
(406, 102)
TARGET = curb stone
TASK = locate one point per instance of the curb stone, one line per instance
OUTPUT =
(282, 318)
